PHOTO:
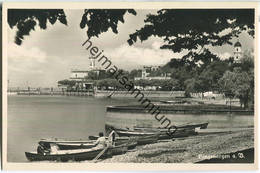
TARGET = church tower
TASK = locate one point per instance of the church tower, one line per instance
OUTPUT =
(237, 52)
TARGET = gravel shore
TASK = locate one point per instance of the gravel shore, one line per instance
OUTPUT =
(190, 149)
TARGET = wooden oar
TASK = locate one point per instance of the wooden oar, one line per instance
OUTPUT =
(100, 154)
(103, 151)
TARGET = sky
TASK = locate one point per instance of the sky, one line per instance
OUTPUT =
(47, 56)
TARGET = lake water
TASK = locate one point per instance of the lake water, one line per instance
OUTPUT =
(31, 118)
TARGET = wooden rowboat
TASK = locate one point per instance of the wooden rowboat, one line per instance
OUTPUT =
(181, 127)
(71, 145)
(121, 149)
(184, 126)
(66, 141)
(143, 140)
(135, 138)
(66, 155)
(68, 145)
(160, 133)
(117, 138)
(130, 133)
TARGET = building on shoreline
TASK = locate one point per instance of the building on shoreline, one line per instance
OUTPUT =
(146, 74)
(78, 75)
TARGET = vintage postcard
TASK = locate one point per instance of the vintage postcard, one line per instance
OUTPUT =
(130, 86)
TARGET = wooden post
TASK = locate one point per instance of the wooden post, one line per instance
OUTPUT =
(230, 105)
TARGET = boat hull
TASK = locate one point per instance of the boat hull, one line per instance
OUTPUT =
(164, 133)
(134, 133)
(143, 140)
(80, 156)
(72, 146)
(119, 150)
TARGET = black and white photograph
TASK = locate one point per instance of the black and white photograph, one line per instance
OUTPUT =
(130, 83)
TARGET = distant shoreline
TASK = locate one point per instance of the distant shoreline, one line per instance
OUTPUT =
(103, 93)
(185, 109)
(195, 106)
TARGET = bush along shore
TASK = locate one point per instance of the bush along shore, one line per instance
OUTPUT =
(235, 146)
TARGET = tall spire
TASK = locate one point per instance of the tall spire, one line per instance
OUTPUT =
(238, 51)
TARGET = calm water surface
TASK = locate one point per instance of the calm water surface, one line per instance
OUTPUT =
(31, 118)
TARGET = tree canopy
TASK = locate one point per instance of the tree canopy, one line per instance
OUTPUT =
(67, 82)
(96, 20)
(239, 81)
(195, 29)
(100, 20)
(181, 29)
(26, 19)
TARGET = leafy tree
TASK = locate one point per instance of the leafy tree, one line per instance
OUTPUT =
(97, 20)
(142, 82)
(100, 20)
(194, 30)
(194, 85)
(181, 74)
(190, 86)
(108, 83)
(168, 85)
(212, 73)
(227, 84)
(26, 19)
(181, 29)
(135, 73)
(239, 83)
(68, 83)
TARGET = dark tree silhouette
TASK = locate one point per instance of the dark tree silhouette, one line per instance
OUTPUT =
(97, 20)
(26, 19)
(100, 20)
(182, 29)
(195, 29)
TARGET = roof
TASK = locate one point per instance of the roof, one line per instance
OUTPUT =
(237, 44)
(79, 71)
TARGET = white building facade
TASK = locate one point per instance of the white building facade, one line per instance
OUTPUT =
(78, 75)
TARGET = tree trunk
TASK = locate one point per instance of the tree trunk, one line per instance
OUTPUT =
(245, 103)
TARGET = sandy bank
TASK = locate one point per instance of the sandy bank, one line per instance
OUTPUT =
(189, 150)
